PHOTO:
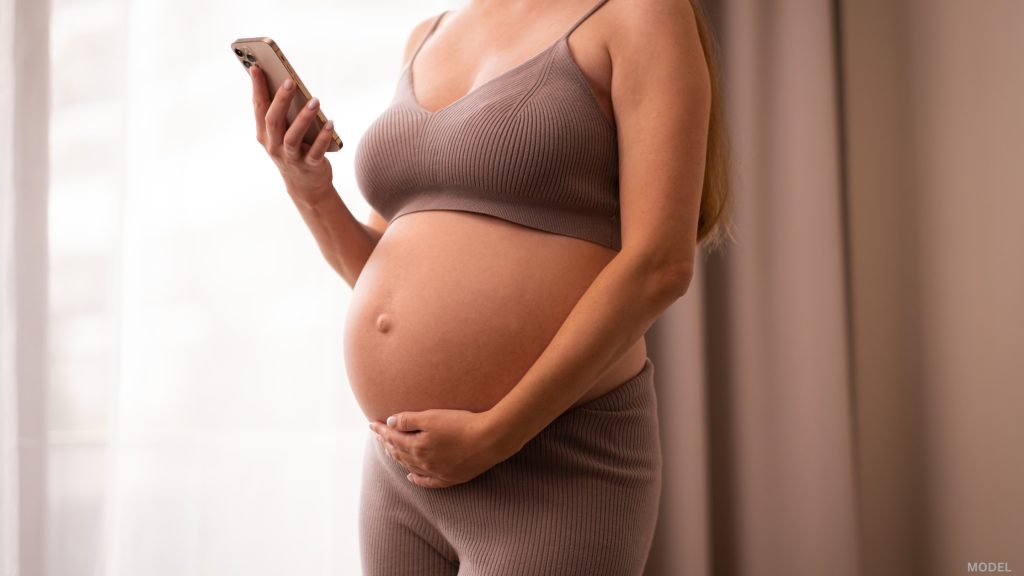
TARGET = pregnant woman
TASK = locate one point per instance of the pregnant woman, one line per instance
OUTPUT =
(539, 182)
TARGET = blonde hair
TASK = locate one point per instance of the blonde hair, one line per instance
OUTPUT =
(714, 223)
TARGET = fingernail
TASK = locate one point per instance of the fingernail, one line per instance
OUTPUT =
(392, 421)
(288, 84)
(329, 125)
(409, 477)
(313, 103)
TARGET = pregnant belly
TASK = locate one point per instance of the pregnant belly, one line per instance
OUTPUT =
(452, 308)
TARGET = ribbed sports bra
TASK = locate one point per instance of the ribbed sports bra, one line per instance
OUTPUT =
(531, 146)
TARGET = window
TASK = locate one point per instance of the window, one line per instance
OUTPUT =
(200, 417)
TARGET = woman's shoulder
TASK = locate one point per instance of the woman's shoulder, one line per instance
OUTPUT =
(417, 35)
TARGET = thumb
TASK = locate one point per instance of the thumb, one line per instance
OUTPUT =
(406, 421)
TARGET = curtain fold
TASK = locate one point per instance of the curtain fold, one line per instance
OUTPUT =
(934, 149)
(24, 126)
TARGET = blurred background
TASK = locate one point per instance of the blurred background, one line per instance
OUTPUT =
(841, 390)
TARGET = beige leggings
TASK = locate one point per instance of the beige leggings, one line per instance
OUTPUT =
(580, 498)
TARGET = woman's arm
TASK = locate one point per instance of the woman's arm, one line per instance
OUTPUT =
(344, 241)
(616, 310)
(661, 92)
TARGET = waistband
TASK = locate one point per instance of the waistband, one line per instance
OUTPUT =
(625, 394)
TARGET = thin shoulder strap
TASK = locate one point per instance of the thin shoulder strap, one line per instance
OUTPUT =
(428, 35)
(585, 16)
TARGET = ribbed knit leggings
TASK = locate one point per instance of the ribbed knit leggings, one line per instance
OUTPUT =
(580, 498)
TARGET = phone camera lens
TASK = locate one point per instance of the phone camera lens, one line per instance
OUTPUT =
(250, 57)
(246, 63)
(238, 53)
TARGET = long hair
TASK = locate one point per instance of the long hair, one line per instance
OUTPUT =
(714, 223)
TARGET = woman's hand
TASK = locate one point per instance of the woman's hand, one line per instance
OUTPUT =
(306, 172)
(441, 447)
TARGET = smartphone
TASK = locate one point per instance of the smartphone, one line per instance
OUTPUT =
(265, 52)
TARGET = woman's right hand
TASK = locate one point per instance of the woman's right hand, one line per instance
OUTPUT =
(307, 173)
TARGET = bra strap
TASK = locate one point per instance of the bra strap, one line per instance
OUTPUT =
(585, 16)
(428, 35)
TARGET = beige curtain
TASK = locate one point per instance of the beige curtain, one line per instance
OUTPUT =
(842, 390)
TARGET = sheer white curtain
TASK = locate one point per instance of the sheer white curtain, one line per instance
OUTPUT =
(174, 376)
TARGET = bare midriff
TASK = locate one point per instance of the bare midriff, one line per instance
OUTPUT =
(452, 308)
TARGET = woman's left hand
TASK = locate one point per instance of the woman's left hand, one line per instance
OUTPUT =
(442, 447)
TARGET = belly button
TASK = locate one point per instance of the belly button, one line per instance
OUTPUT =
(383, 322)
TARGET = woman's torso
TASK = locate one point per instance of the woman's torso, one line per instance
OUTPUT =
(453, 307)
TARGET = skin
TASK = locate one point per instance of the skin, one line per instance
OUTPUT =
(480, 385)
